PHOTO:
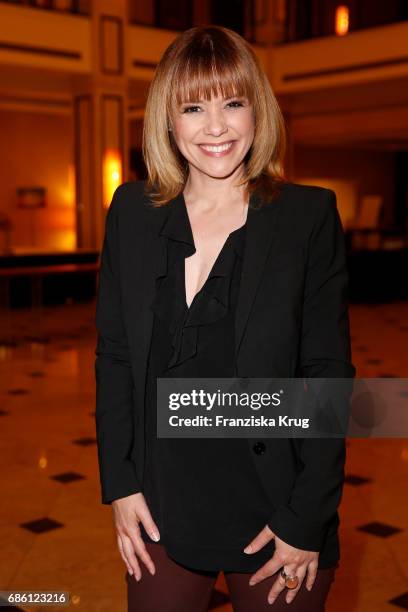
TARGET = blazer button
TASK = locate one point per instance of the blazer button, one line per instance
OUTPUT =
(259, 448)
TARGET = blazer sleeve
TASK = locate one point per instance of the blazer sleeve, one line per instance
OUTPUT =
(324, 352)
(114, 381)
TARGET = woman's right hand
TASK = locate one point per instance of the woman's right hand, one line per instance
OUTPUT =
(127, 513)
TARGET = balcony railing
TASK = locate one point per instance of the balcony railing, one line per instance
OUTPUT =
(73, 7)
(309, 19)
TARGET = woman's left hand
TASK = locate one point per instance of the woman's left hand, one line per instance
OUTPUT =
(296, 562)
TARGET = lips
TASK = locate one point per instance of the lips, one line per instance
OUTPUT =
(217, 150)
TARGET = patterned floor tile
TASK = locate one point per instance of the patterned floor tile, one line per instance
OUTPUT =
(52, 420)
(84, 441)
(66, 477)
(353, 479)
(401, 601)
(379, 529)
(41, 525)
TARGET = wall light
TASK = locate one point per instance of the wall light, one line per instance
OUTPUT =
(112, 174)
(342, 20)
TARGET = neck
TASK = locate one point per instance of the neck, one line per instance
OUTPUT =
(210, 194)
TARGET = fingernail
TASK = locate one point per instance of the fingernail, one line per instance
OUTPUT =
(155, 536)
(130, 572)
(248, 549)
(251, 582)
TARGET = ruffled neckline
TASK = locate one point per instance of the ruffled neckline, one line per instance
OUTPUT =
(177, 227)
(211, 303)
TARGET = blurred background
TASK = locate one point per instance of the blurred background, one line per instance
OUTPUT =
(74, 76)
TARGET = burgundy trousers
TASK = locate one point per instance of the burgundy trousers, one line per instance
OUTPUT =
(176, 588)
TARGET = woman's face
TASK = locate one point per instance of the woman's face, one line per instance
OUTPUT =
(214, 136)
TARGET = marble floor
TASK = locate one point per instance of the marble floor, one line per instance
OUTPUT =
(56, 535)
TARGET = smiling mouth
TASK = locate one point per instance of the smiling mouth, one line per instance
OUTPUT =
(217, 148)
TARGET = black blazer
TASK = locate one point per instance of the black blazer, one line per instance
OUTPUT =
(291, 320)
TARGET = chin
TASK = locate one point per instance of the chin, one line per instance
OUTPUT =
(219, 175)
(219, 169)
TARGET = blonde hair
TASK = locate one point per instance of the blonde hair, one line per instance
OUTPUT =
(199, 63)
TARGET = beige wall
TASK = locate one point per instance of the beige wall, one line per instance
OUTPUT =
(37, 150)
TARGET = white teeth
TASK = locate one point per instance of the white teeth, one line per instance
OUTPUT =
(218, 149)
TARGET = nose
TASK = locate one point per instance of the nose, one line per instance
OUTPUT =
(215, 123)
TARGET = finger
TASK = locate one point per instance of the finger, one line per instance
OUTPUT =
(263, 537)
(300, 573)
(277, 587)
(131, 557)
(279, 584)
(311, 575)
(122, 554)
(268, 569)
(140, 549)
(148, 523)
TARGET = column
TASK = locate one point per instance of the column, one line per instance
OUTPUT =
(100, 116)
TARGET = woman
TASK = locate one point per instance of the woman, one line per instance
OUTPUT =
(217, 266)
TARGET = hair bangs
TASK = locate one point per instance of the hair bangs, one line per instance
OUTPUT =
(210, 74)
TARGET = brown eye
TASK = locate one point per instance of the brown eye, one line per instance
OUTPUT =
(189, 109)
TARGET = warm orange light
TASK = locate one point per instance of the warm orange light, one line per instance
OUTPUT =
(112, 174)
(342, 20)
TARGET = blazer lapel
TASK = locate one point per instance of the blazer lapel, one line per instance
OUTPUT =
(154, 265)
(260, 233)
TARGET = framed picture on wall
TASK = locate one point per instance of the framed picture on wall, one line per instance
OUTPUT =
(31, 197)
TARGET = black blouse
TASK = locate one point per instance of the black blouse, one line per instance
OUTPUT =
(204, 494)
